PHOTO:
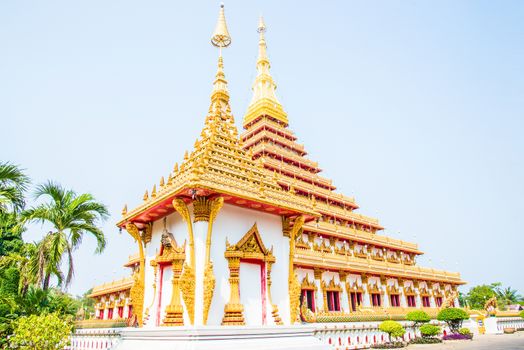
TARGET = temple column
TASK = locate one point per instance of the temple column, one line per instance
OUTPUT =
(418, 298)
(319, 297)
(402, 296)
(200, 223)
(384, 292)
(344, 298)
(366, 302)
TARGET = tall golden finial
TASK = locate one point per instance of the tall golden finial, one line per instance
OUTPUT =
(264, 100)
(221, 37)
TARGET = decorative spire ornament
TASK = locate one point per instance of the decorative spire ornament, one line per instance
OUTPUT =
(264, 100)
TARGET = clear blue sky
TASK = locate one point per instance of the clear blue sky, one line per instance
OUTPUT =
(415, 107)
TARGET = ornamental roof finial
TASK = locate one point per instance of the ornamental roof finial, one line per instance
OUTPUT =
(220, 39)
(264, 101)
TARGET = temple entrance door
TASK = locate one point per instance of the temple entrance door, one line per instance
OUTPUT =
(252, 292)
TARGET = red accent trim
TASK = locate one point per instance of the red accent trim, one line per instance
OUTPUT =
(263, 285)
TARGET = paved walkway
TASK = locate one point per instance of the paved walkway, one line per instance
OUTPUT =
(480, 342)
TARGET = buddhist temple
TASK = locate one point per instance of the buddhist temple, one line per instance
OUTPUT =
(246, 231)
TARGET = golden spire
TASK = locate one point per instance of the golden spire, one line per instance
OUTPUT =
(264, 100)
(220, 39)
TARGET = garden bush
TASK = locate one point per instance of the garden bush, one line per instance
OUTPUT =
(457, 336)
(392, 328)
(426, 340)
(522, 314)
(418, 316)
(464, 331)
(429, 330)
(42, 332)
(453, 318)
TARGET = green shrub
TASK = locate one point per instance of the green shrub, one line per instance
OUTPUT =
(522, 314)
(464, 331)
(453, 318)
(425, 340)
(42, 332)
(418, 316)
(392, 328)
(429, 330)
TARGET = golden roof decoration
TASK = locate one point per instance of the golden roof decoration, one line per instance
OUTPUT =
(219, 164)
(264, 87)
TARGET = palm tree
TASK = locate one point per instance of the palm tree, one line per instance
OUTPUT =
(71, 216)
(507, 295)
(13, 183)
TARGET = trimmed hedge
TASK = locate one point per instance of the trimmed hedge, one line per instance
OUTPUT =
(429, 330)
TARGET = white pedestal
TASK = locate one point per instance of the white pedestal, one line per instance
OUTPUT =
(221, 338)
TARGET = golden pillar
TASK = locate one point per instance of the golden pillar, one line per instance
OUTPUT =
(233, 311)
(174, 311)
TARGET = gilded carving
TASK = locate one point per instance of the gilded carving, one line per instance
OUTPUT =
(306, 284)
(187, 287)
(201, 209)
(274, 307)
(188, 278)
(293, 284)
(209, 279)
(209, 288)
(137, 291)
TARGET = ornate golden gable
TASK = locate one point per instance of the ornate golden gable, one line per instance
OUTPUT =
(331, 286)
(306, 284)
(250, 247)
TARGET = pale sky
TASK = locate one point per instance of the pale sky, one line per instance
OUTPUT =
(413, 107)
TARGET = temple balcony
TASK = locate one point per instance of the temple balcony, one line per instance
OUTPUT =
(327, 228)
(355, 264)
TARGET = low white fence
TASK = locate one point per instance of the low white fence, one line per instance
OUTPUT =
(510, 322)
(97, 338)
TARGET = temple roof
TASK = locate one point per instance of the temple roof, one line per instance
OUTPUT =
(112, 287)
(218, 165)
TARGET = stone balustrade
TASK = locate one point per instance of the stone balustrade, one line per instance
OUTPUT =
(99, 338)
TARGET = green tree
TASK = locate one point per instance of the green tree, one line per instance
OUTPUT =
(478, 295)
(419, 317)
(13, 184)
(507, 296)
(71, 216)
(392, 328)
(42, 332)
(453, 317)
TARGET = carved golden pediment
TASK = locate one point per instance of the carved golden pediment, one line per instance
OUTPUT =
(409, 290)
(306, 284)
(393, 289)
(374, 288)
(250, 247)
(331, 286)
(354, 287)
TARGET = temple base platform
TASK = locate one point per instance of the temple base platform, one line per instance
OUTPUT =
(221, 338)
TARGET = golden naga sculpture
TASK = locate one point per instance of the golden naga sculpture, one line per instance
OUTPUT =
(137, 291)
(491, 306)
(450, 300)
(213, 207)
(293, 284)
(188, 278)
